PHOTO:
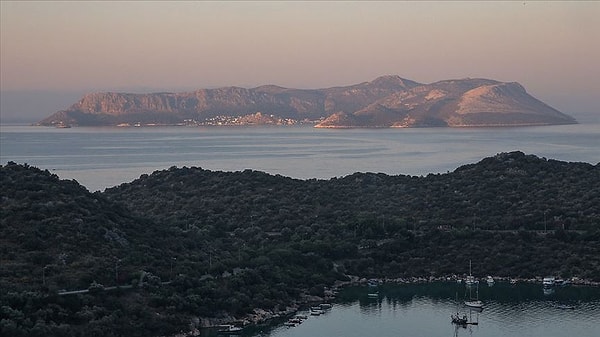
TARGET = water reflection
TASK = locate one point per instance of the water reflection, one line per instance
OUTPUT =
(420, 310)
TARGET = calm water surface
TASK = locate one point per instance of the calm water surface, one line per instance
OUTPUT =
(424, 310)
(104, 157)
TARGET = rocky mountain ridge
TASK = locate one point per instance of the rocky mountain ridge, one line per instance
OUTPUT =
(387, 101)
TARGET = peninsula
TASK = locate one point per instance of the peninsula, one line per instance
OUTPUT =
(186, 248)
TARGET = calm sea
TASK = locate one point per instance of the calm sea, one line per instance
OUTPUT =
(104, 157)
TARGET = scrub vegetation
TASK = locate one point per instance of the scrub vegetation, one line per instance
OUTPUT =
(180, 244)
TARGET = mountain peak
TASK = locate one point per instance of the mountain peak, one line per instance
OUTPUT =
(393, 80)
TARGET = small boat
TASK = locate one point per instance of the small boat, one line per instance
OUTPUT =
(295, 320)
(373, 295)
(325, 306)
(373, 283)
(470, 281)
(301, 317)
(490, 281)
(229, 329)
(548, 281)
(316, 311)
(565, 306)
(456, 319)
(62, 125)
(474, 304)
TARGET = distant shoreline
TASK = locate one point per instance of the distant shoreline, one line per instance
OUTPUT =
(300, 125)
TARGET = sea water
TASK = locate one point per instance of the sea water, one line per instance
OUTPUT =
(103, 157)
(424, 310)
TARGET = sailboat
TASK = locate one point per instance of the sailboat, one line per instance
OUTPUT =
(470, 279)
(473, 302)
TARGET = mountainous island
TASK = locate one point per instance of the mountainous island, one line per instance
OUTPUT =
(388, 101)
(186, 248)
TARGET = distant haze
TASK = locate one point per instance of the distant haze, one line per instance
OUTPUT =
(51, 53)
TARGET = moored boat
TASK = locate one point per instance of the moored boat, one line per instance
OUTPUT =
(548, 281)
(316, 311)
(470, 280)
(229, 329)
(474, 304)
(62, 125)
(373, 283)
(373, 295)
(456, 319)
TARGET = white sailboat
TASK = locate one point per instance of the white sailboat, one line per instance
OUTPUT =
(473, 302)
(470, 279)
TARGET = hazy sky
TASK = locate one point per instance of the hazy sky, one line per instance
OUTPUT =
(551, 48)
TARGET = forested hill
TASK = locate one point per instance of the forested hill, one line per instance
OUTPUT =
(206, 243)
(507, 191)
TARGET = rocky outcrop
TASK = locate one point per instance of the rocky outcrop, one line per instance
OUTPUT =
(388, 101)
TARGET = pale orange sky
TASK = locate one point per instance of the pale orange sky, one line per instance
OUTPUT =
(549, 47)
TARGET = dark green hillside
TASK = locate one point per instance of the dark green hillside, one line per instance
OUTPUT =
(57, 236)
(58, 225)
(78, 237)
(510, 191)
(496, 211)
(219, 244)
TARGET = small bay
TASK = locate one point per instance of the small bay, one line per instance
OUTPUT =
(423, 310)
